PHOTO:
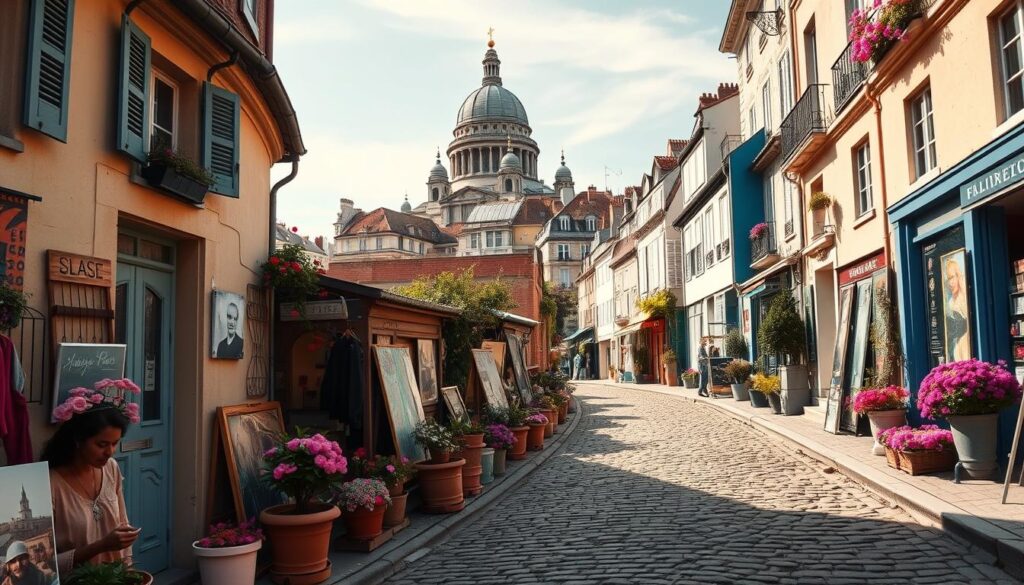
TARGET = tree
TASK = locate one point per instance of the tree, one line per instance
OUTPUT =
(555, 306)
(477, 300)
(782, 331)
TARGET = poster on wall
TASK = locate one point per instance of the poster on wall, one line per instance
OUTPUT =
(947, 288)
(227, 321)
(13, 235)
(835, 392)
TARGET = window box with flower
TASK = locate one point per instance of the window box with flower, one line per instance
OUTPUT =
(874, 30)
(178, 174)
(293, 276)
(227, 554)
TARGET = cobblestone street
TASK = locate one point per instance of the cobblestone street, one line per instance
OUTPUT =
(653, 489)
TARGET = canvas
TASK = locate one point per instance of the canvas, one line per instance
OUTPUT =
(227, 324)
(247, 431)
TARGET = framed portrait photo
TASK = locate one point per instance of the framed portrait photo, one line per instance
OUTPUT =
(227, 323)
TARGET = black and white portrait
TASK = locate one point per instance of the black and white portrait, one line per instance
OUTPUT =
(226, 325)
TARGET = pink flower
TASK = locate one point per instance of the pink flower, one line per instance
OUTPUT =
(96, 398)
(270, 452)
(79, 404)
(390, 468)
(293, 445)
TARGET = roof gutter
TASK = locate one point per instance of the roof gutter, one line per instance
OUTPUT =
(261, 70)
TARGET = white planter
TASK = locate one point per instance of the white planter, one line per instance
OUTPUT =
(882, 420)
(229, 564)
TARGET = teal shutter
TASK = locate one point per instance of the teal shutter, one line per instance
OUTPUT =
(48, 70)
(220, 138)
(133, 91)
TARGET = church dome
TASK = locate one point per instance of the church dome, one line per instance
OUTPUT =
(563, 174)
(511, 161)
(493, 102)
(438, 171)
(406, 206)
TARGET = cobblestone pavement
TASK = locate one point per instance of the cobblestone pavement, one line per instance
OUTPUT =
(653, 489)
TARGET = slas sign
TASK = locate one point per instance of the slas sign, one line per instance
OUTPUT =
(67, 267)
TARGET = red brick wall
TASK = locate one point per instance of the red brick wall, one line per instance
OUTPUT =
(232, 10)
(520, 271)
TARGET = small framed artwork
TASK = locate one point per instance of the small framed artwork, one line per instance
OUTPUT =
(227, 321)
(453, 401)
(27, 543)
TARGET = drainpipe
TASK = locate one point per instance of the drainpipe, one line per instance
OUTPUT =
(270, 250)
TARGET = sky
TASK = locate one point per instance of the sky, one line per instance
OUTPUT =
(377, 85)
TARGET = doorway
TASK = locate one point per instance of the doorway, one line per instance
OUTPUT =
(144, 312)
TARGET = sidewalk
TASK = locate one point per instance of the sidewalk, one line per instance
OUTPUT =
(970, 510)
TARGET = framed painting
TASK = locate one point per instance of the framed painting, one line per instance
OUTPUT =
(454, 403)
(84, 364)
(428, 371)
(227, 321)
(247, 431)
(401, 399)
(515, 350)
(498, 349)
(490, 380)
(31, 524)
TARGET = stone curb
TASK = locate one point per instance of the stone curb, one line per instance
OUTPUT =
(398, 559)
(982, 536)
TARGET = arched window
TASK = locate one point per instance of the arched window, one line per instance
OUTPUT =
(434, 194)
(508, 185)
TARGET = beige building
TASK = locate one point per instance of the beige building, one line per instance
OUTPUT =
(385, 234)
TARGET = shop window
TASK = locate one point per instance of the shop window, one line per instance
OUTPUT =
(862, 162)
(1011, 59)
(922, 131)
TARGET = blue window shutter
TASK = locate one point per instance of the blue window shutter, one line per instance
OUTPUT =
(48, 69)
(133, 91)
(220, 138)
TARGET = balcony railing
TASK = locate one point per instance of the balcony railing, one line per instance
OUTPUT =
(847, 77)
(807, 116)
(763, 246)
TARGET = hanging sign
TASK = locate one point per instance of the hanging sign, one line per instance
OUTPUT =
(315, 311)
(75, 268)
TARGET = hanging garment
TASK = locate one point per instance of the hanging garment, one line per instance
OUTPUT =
(13, 407)
(341, 392)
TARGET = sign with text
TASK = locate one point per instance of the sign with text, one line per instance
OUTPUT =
(84, 364)
(995, 180)
(315, 311)
(13, 235)
(67, 267)
(863, 269)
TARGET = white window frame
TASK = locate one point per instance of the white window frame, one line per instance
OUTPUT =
(921, 118)
(752, 119)
(725, 223)
(562, 252)
(565, 277)
(474, 241)
(380, 242)
(787, 207)
(249, 10)
(785, 84)
(175, 107)
(862, 164)
(591, 224)
(584, 250)
(709, 233)
(766, 104)
(1016, 11)
(563, 223)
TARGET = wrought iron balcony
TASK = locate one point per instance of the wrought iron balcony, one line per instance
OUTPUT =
(806, 118)
(763, 250)
(847, 77)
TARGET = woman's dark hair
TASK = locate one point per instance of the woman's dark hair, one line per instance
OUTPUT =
(60, 449)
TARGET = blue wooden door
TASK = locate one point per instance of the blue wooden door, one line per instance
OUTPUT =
(144, 310)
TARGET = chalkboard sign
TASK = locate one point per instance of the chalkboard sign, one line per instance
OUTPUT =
(401, 398)
(84, 364)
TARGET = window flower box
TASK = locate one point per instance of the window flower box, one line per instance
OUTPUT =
(167, 178)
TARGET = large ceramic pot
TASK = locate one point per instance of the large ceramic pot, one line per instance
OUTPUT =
(975, 440)
(299, 542)
(518, 451)
(441, 486)
(882, 420)
(563, 412)
(552, 415)
(363, 524)
(440, 456)
(472, 447)
(395, 513)
(499, 460)
(671, 373)
(739, 392)
(535, 439)
(227, 564)
(775, 402)
(758, 399)
(487, 466)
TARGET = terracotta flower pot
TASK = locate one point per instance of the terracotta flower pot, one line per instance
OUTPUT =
(441, 486)
(439, 456)
(549, 429)
(397, 489)
(518, 451)
(395, 513)
(499, 460)
(563, 413)
(472, 447)
(227, 564)
(535, 439)
(299, 542)
(363, 524)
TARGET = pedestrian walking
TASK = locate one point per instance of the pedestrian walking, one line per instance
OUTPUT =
(577, 365)
(705, 372)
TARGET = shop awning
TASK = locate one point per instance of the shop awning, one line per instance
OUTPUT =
(630, 329)
(580, 333)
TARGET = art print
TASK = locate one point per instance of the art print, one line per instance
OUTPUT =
(227, 321)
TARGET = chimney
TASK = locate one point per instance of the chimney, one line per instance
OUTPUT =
(320, 242)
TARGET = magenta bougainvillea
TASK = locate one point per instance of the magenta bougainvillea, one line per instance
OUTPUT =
(924, 438)
(226, 534)
(874, 399)
(758, 231)
(967, 387)
(873, 30)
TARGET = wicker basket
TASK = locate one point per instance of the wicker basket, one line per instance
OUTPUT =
(892, 457)
(920, 462)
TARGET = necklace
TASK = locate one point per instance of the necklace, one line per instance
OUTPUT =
(97, 514)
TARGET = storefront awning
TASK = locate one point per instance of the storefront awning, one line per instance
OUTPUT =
(586, 332)
(630, 329)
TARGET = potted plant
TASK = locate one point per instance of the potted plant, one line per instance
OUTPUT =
(500, 438)
(546, 406)
(305, 468)
(758, 231)
(735, 344)
(758, 399)
(782, 333)
(12, 306)
(516, 422)
(227, 554)
(112, 573)
(738, 371)
(927, 449)
(690, 377)
(770, 387)
(440, 478)
(293, 275)
(970, 394)
(535, 439)
(892, 458)
(874, 30)
(885, 408)
(669, 364)
(363, 502)
(176, 173)
(818, 205)
(470, 437)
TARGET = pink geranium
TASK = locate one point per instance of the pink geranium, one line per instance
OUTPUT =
(305, 467)
(226, 534)
(967, 387)
(876, 399)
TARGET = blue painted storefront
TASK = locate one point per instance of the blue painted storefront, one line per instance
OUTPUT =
(966, 197)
